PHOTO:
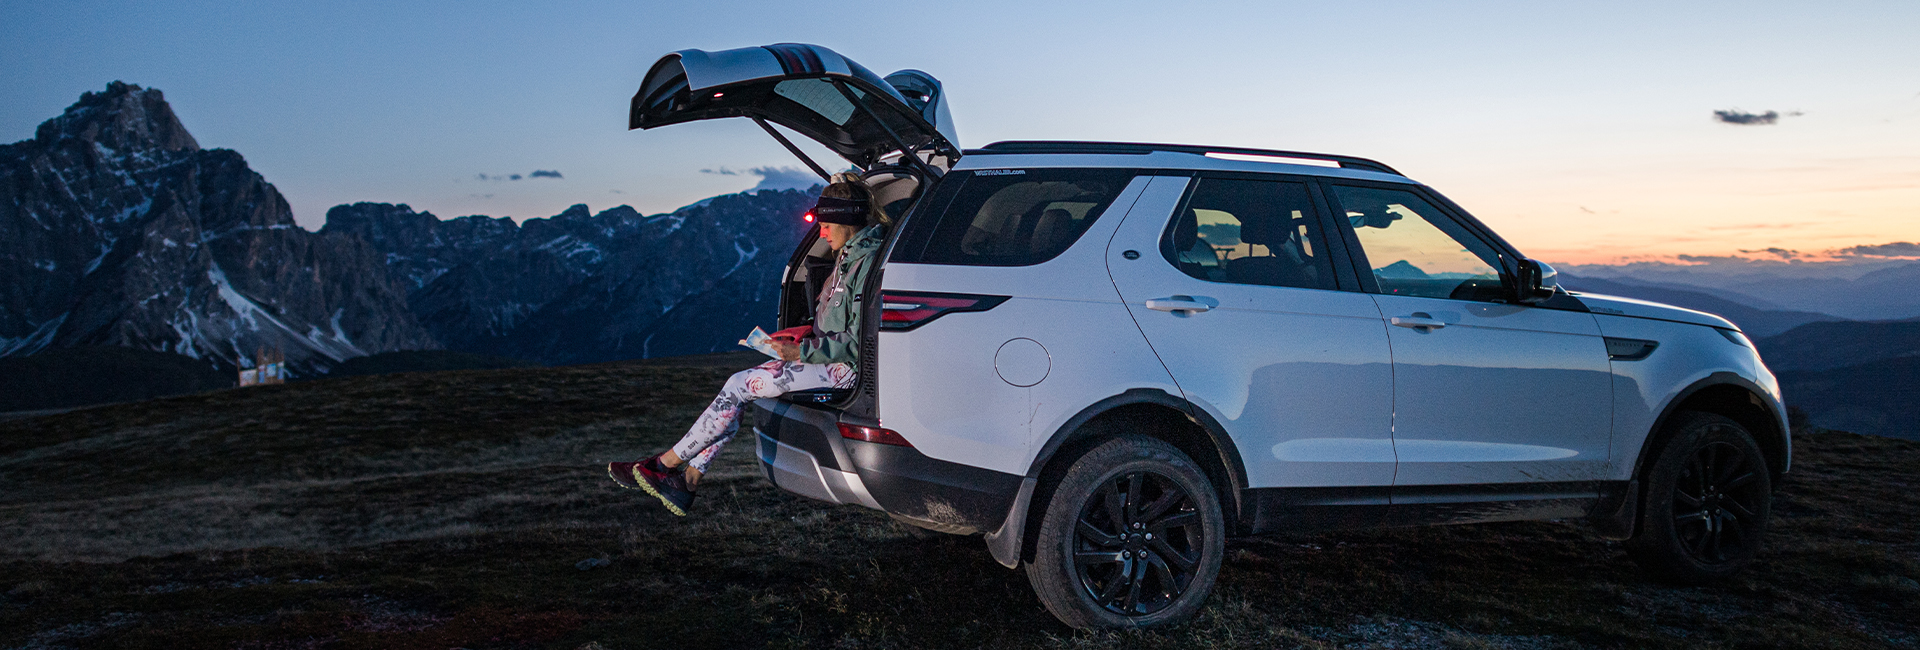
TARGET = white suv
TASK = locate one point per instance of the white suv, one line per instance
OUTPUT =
(1108, 357)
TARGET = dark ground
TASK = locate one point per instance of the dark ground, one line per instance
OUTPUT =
(457, 509)
(68, 378)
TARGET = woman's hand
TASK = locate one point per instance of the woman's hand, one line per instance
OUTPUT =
(788, 350)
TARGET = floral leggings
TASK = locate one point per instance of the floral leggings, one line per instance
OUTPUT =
(771, 379)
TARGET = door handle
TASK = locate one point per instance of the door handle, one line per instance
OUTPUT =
(1419, 320)
(1182, 305)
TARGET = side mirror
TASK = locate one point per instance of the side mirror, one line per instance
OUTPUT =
(1538, 282)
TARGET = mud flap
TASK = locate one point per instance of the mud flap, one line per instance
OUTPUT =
(1613, 517)
(1004, 543)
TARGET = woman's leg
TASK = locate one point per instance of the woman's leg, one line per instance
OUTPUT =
(721, 420)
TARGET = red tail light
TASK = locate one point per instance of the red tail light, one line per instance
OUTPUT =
(905, 310)
(873, 434)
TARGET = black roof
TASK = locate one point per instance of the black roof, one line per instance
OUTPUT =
(1074, 146)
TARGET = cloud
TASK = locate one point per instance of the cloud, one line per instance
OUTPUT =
(773, 178)
(538, 173)
(1895, 249)
(784, 178)
(1737, 116)
(1776, 251)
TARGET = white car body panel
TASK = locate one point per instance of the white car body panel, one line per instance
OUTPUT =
(1301, 379)
(1688, 354)
(1501, 394)
(1618, 306)
(1093, 350)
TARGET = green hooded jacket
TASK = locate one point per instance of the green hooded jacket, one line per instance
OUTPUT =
(836, 312)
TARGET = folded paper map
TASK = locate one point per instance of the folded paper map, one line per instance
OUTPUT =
(758, 340)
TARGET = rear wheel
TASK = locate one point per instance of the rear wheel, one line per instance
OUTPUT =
(1709, 495)
(1132, 537)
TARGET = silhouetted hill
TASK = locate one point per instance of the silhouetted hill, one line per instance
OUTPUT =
(1757, 321)
(1821, 346)
(57, 379)
(1879, 398)
(424, 361)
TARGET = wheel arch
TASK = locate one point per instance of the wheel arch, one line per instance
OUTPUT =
(1147, 411)
(1735, 397)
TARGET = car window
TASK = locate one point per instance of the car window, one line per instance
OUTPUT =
(1015, 217)
(1417, 251)
(1249, 232)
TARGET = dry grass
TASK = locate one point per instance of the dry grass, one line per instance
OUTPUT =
(456, 509)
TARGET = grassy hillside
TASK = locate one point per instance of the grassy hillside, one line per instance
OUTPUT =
(67, 378)
(470, 509)
(424, 361)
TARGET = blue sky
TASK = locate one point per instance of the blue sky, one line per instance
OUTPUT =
(1583, 132)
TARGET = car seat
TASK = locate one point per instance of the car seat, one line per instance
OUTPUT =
(1269, 269)
(1051, 232)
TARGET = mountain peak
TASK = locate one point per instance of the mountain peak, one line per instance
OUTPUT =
(124, 117)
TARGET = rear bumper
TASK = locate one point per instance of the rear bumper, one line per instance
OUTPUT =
(796, 470)
(801, 451)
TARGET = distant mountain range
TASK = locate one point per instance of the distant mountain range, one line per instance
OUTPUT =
(118, 230)
(583, 287)
(1874, 289)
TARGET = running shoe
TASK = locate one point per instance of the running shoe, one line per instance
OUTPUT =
(622, 473)
(668, 484)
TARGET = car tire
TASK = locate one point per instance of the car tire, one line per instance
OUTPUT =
(1132, 536)
(1709, 496)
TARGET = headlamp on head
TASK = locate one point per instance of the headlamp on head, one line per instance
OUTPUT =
(846, 212)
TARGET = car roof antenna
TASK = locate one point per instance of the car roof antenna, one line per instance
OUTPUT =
(796, 150)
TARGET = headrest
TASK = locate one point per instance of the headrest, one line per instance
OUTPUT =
(1260, 229)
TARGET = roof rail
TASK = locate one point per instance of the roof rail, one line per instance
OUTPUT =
(1074, 146)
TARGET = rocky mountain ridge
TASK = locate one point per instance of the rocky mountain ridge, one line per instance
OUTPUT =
(582, 287)
(120, 230)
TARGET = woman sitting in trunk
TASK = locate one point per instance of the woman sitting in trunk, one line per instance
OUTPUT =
(820, 356)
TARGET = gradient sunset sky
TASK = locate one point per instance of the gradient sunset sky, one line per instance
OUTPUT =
(1582, 132)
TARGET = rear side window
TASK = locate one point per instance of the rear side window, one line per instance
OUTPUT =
(1250, 232)
(1015, 217)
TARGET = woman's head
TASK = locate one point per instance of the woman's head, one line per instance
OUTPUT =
(840, 224)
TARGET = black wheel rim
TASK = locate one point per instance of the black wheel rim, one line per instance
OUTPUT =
(1716, 503)
(1136, 545)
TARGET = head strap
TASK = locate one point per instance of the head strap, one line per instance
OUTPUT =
(846, 212)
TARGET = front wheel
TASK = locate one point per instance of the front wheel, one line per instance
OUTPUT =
(1709, 495)
(1132, 537)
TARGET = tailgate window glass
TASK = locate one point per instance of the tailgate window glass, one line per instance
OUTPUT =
(1014, 217)
(819, 96)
